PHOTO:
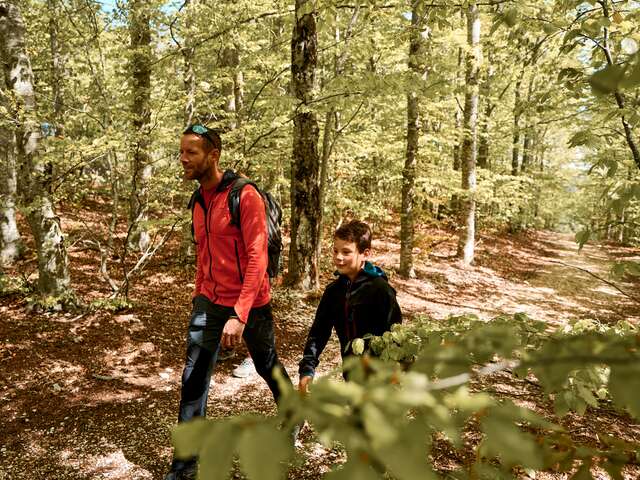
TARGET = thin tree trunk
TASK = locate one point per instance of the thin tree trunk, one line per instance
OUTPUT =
(416, 66)
(517, 113)
(53, 280)
(230, 62)
(305, 164)
(483, 142)
(628, 131)
(458, 115)
(10, 241)
(140, 32)
(466, 244)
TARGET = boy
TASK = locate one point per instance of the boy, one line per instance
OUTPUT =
(358, 302)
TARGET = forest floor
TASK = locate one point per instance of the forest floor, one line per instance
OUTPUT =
(94, 395)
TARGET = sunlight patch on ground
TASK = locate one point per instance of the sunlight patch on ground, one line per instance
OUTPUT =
(113, 466)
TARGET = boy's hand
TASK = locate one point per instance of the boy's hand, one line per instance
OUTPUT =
(303, 386)
(232, 332)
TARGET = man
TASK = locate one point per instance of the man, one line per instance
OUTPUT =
(231, 300)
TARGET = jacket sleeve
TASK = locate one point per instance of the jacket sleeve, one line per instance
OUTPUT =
(253, 224)
(317, 338)
(389, 309)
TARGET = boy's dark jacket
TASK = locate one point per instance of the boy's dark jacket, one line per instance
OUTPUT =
(353, 309)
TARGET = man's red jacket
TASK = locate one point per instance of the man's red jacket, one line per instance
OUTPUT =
(231, 267)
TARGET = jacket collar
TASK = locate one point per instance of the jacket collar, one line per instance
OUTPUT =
(369, 271)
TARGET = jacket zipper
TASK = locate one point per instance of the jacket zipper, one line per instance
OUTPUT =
(206, 228)
(351, 332)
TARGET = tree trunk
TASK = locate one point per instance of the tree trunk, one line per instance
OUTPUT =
(483, 142)
(417, 68)
(10, 240)
(628, 131)
(231, 89)
(140, 32)
(305, 164)
(517, 112)
(458, 115)
(466, 244)
(53, 280)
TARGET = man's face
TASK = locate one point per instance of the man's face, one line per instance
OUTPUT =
(347, 259)
(196, 162)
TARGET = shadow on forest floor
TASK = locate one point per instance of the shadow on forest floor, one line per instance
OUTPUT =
(95, 395)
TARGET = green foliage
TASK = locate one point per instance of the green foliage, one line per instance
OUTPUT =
(388, 414)
(11, 285)
(113, 305)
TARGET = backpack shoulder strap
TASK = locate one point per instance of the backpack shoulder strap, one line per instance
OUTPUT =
(234, 198)
(196, 197)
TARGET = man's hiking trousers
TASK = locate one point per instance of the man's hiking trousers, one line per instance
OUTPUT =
(203, 343)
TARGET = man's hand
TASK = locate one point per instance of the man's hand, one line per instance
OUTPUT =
(232, 332)
(303, 386)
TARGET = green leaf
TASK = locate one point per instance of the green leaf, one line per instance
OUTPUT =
(511, 17)
(607, 80)
(407, 458)
(624, 385)
(188, 437)
(582, 237)
(506, 441)
(264, 451)
(216, 456)
(584, 472)
(357, 346)
(378, 427)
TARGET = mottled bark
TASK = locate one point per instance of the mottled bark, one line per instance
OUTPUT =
(305, 164)
(140, 33)
(418, 69)
(53, 280)
(10, 240)
(466, 243)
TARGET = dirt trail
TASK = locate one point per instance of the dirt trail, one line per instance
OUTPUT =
(545, 276)
(95, 396)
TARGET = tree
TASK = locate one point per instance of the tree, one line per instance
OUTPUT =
(53, 279)
(140, 32)
(418, 70)
(466, 244)
(305, 163)
(10, 239)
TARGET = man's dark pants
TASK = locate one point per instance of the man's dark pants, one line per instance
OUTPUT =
(203, 342)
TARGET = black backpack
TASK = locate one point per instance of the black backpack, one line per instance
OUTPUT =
(272, 210)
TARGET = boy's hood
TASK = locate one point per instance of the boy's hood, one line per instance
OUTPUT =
(368, 271)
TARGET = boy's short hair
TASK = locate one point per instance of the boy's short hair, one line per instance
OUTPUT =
(357, 232)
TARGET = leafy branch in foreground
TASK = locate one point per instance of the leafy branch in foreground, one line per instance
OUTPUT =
(389, 413)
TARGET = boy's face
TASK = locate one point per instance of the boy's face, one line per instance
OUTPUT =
(347, 259)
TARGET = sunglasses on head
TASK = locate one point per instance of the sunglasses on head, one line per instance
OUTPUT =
(201, 130)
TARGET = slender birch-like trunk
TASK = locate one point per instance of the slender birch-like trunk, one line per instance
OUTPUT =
(10, 240)
(53, 279)
(466, 244)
